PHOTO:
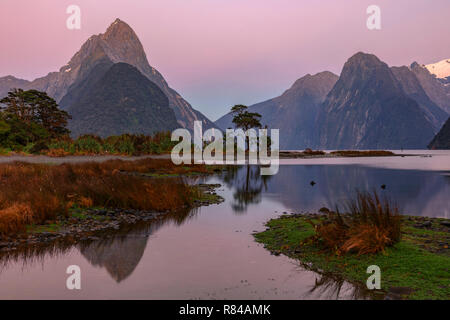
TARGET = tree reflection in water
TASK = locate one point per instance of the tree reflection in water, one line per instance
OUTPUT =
(247, 184)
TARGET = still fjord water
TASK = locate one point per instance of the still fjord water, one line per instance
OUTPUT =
(210, 252)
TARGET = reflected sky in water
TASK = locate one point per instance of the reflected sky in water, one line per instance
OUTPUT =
(308, 188)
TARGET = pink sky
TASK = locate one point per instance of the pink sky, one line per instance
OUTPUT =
(217, 53)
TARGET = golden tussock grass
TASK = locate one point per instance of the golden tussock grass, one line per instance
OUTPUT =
(369, 226)
(35, 193)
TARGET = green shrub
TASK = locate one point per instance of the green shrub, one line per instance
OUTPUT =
(88, 143)
(151, 147)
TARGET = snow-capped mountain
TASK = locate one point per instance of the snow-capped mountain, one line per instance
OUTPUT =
(440, 69)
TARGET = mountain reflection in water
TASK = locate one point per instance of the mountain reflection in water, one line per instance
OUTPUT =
(119, 251)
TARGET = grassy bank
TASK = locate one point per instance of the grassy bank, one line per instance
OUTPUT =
(36, 194)
(417, 267)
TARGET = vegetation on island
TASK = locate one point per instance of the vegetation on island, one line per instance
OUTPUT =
(411, 258)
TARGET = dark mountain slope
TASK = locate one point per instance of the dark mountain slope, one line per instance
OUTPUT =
(367, 109)
(411, 86)
(121, 101)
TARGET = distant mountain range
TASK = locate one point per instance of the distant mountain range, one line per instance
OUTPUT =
(370, 106)
(110, 88)
(119, 44)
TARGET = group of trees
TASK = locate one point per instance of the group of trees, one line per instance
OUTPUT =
(28, 117)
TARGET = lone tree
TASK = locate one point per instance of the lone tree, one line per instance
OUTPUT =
(34, 107)
(244, 119)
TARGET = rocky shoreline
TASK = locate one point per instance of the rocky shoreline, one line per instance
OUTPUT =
(94, 223)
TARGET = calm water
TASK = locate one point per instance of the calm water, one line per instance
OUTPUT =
(210, 253)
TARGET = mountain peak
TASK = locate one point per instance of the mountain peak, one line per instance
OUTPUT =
(367, 68)
(365, 59)
(117, 24)
(120, 43)
(120, 31)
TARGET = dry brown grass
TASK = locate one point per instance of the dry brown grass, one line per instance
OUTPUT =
(35, 193)
(369, 226)
(14, 217)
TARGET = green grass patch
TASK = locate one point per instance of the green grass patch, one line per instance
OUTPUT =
(406, 264)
